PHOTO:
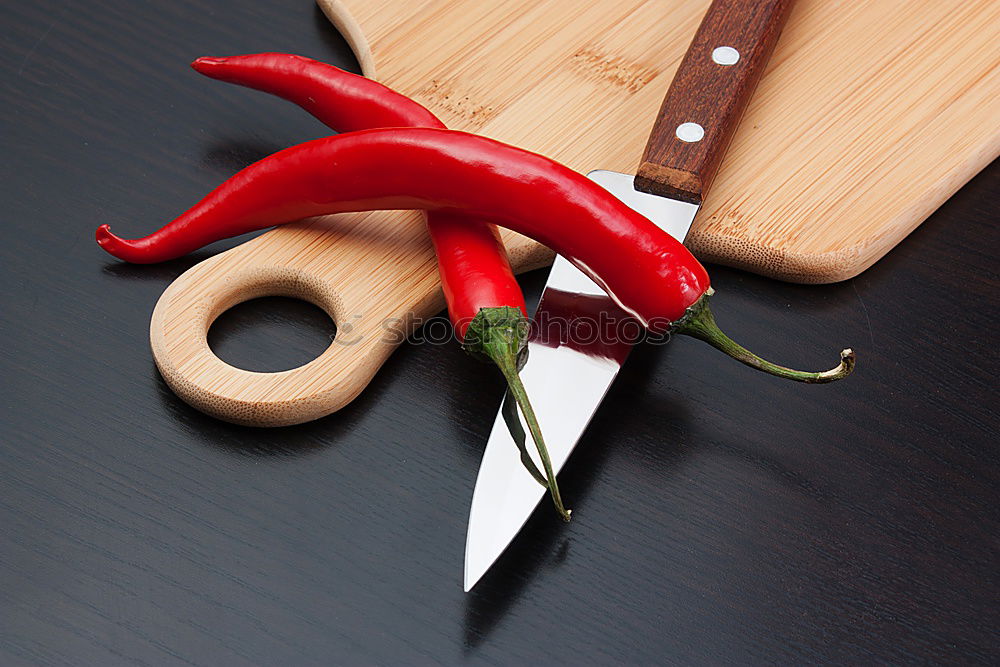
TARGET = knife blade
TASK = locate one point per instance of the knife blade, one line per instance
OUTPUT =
(576, 346)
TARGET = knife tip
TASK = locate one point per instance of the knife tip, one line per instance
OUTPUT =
(470, 580)
(475, 567)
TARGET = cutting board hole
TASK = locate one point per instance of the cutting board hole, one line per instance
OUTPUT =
(271, 334)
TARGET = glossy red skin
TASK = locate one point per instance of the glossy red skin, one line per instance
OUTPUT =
(648, 272)
(472, 261)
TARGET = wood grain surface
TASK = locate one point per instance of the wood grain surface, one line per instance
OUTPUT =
(721, 516)
(869, 115)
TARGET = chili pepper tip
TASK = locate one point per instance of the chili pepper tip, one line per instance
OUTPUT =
(107, 240)
(206, 62)
(127, 250)
(104, 236)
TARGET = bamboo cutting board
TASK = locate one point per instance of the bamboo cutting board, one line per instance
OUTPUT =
(870, 114)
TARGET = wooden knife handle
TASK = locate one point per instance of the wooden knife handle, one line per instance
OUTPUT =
(708, 95)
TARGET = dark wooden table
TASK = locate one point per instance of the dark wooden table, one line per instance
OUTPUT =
(721, 516)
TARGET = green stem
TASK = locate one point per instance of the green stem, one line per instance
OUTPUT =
(501, 334)
(508, 367)
(699, 323)
(512, 418)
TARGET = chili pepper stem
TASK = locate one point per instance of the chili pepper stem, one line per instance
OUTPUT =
(501, 335)
(699, 323)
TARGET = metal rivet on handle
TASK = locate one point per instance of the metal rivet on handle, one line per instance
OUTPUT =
(690, 132)
(726, 55)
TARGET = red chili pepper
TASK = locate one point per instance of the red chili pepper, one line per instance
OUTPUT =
(475, 271)
(646, 271)
(476, 278)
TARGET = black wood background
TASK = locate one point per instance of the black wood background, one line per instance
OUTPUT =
(721, 516)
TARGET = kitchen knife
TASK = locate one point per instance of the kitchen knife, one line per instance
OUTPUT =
(579, 338)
